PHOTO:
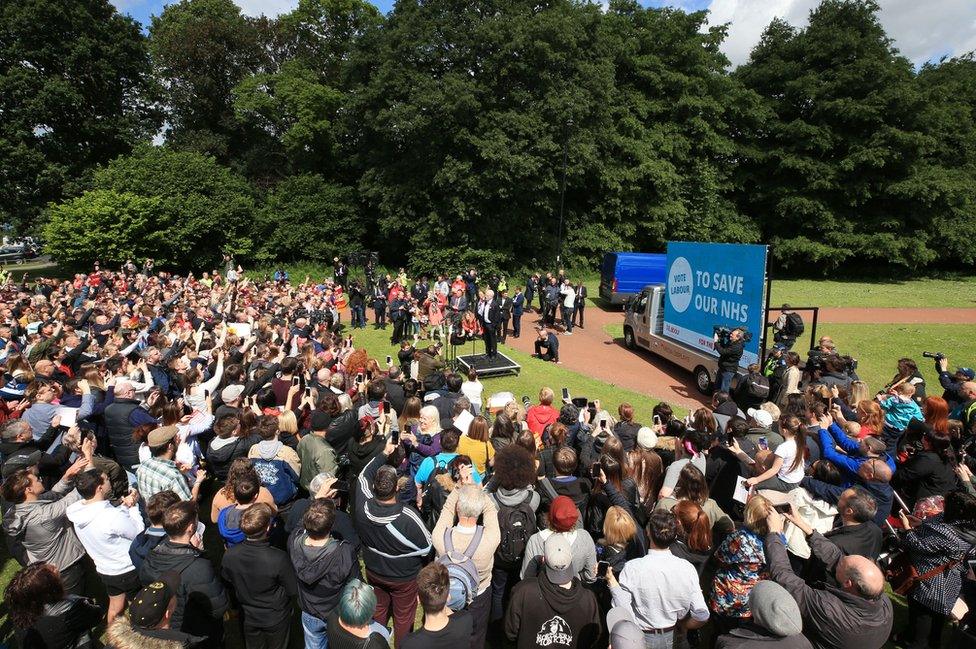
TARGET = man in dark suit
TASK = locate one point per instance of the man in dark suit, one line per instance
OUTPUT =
(580, 303)
(505, 314)
(398, 314)
(519, 304)
(489, 315)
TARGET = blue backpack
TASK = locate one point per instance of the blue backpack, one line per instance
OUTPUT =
(231, 535)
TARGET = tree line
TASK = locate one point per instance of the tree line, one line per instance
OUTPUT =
(437, 135)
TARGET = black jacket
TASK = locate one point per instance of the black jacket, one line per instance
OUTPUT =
(627, 433)
(395, 395)
(864, 539)
(220, 459)
(322, 572)
(118, 428)
(263, 581)
(201, 600)
(924, 475)
(386, 555)
(343, 430)
(729, 355)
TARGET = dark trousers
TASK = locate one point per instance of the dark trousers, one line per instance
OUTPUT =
(400, 329)
(543, 352)
(516, 324)
(503, 330)
(273, 638)
(491, 341)
(358, 317)
(924, 628)
(503, 579)
(396, 598)
(479, 609)
(568, 318)
(379, 317)
(578, 316)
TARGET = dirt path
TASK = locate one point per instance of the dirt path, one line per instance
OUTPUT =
(591, 352)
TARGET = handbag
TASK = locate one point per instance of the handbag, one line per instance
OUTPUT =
(903, 576)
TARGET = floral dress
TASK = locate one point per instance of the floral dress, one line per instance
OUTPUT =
(741, 564)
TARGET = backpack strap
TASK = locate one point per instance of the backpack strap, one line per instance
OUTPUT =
(547, 487)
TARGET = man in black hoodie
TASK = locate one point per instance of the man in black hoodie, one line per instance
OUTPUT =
(553, 609)
(395, 543)
(263, 580)
(200, 600)
(324, 566)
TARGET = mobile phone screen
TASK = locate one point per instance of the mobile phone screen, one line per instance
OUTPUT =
(308, 392)
(359, 378)
(595, 470)
(601, 569)
(389, 360)
(294, 380)
(565, 394)
(782, 508)
(657, 419)
(763, 444)
(603, 424)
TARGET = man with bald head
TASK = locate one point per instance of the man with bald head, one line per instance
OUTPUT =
(122, 416)
(856, 613)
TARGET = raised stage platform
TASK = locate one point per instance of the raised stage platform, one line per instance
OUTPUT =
(500, 365)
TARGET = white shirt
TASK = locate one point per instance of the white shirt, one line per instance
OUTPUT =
(106, 532)
(660, 589)
(787, 451)
(472, 390)
(569, 296)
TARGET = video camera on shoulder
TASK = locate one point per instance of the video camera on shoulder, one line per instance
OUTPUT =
(725, 334)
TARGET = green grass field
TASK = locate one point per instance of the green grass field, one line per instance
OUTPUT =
(938, 293)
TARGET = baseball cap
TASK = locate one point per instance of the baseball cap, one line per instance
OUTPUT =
(968, 372)
(779, 347)
(646, 438)
(231, 392)
(774, 609)
(563, 514)
(161, 436)
(761, 417)
(150, 604)
(624, 632)
(320, 420)
(21, 461)
(559, 560)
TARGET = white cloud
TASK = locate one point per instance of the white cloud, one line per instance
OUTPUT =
(270, 8)
(920, 30)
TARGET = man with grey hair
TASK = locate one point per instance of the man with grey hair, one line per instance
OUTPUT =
(17, 443)
(467, 503)
(489, 315)
(122, 416)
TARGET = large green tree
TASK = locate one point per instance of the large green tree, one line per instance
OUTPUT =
(74, 92)
(829, 175)
(468, 113)
(201, 49)
(180, 208)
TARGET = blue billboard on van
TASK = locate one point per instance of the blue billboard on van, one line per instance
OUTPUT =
(715, 284)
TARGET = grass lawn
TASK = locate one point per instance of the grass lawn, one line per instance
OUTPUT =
(877, 348)
(535, 374)
(952, 292)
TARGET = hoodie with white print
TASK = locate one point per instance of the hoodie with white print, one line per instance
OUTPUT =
(106, 532)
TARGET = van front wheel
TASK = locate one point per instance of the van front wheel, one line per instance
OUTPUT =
(703, 380)
(629, 338)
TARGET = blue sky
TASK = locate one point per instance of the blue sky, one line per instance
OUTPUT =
(923, 30)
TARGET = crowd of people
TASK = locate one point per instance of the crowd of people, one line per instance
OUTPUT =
(186, 457)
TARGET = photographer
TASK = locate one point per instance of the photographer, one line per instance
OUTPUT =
(954, 384)
(729, 353)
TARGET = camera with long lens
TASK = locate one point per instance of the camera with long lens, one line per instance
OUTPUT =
(938, 356)
(725, 334)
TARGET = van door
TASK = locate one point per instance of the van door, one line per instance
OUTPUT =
(641, 320)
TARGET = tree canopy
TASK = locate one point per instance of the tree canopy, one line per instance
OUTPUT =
(441, 133)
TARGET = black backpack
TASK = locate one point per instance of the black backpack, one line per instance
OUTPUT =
(794, 325)
(516, 524)
(757, 385)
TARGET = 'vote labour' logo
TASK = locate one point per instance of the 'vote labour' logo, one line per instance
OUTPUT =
(680, 285)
